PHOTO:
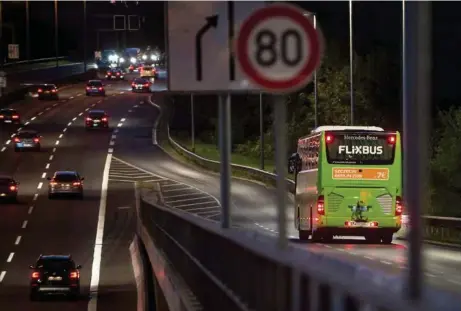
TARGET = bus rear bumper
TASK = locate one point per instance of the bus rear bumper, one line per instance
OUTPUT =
(343, 231)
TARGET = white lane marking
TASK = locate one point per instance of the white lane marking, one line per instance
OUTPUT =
(141, 102)
(455, 282)
(31, 209)
(74, 119)
(87, 109)
(119, 125)
(61, 135)
(130, 110)
(122, 120)
(135, 106)
(57, 142)
(47, 108)
(40, 185)
(69, 124)
(368, 257)
(96, 268)
(113, 137)
(19, 129)
(79, 94)
(54, 149)
(43, 175)
(2, 275)
(55, 105)
(80, 114)
(385, 262)
(40, 113)
(33, 118)
(116, 131)
(99, 101)
(10, 257)
(3, 149)
(65, 129)
(12, 135)
(47, 166)
(72, 97)
(7, 142)
(111, 143)
(27, 123)
(18, 240)
(111, 150)
(35, 197)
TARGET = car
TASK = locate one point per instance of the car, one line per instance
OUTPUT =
(95, 87)
(148, 72)
(65, 183)
(27, 139)
(140, 84)
(9, 116)
(54, 274)
(97, 119)
(115, 73)
(48, 91)
(8, 188)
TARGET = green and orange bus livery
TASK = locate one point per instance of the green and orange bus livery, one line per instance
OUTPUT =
(348, 183)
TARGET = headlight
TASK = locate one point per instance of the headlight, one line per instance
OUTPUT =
(144, 57)
(121, 60)
(133, 60)
(154, 57)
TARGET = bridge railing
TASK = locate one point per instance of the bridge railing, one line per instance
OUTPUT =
(33, 61)
(238, 269)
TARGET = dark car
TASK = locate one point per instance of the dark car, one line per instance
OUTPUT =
(54, 274)
(95, 87)
(140, 85)
(97, 119)
(48, 91)
(27, 139)
(8, 188)
(9, 116)
(65, 183)
(115, 74)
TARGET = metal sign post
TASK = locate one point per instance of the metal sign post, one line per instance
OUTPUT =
(192, 121)
(416, 106)
(279, 58)
(225, 157)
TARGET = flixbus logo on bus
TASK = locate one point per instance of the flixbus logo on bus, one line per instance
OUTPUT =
(360, 149)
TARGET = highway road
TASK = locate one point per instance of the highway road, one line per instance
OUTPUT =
(253, 205)
(37, 225)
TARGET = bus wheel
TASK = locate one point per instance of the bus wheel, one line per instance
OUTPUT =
(387, 238)
(304, 235)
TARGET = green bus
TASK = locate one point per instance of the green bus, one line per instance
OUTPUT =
(348, 183)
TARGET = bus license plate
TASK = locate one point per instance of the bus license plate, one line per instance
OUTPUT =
(359, 224)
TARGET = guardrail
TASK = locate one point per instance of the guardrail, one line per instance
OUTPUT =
(237, 269)
(33, 61)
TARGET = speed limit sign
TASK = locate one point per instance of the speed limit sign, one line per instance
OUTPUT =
(278, 48)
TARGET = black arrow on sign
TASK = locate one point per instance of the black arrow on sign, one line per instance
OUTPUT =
(211, 21)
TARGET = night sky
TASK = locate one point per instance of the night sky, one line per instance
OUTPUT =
(377, 25)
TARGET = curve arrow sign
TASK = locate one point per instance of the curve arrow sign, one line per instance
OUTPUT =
(211, 22)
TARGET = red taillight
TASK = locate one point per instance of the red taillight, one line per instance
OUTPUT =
(88, 88)
(53, 183)
(39, 90)
(36, 140)
(13, 188)
(74, 275)
(77, 183)
(109, 73)
(1, 117)
(391, 139)
(89, 119)
(132, 84)
(53, 91)
(321, 205)
(147, 84)
(16, 140)
(100, 88)
(104, 119)
(15, 116)
(35, 275)
(118, 73)
(329, 138)
(398, 206)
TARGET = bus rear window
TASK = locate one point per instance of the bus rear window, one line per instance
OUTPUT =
(360, 148)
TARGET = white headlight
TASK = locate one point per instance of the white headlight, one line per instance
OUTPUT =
(133, 60)
(144, 57)
(121, 60)
(154, 57)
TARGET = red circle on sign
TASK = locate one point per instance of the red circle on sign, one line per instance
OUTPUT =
(295, 15)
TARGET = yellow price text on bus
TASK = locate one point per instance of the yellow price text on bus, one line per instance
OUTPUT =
(345, 173)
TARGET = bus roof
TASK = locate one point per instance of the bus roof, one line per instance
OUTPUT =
(346, 128)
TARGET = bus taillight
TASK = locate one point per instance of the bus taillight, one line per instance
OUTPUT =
(329, 138)
(321, 205)
(398, 206)
(391, 139)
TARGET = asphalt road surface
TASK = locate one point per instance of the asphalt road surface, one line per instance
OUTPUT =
(253, 206)
(37, 225)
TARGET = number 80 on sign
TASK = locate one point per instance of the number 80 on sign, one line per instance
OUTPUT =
(278, 48)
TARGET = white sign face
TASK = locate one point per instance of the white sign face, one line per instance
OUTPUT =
(279, 48)
(2, 81)
(13, 51)
(199, 47)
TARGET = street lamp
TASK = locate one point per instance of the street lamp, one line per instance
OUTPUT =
(27, 31)
(84, 36)
(56, 32)
(316, 122)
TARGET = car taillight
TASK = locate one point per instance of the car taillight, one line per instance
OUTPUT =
(13, 188)
(132, 84)
(321, 205)
(15, 117)
(53, 183)
(147, 84)
(118, 73)
(391, 139)
(88, 88)
(100, 88)
(109, 73)
(74, 275)
(36, 140)
(89, 119)
(77, 183)
(104, 119)
(1, 117)
(35, 275)
(329, 138)
(39, 90)
(16, 140)
(398, 206)
(53, 91)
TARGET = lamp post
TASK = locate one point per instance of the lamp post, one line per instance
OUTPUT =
(27, 30)
(56, 33)
(316, 117)
(84, 36)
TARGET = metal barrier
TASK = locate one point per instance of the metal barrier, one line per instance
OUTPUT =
(33, 61)
(238, 269)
